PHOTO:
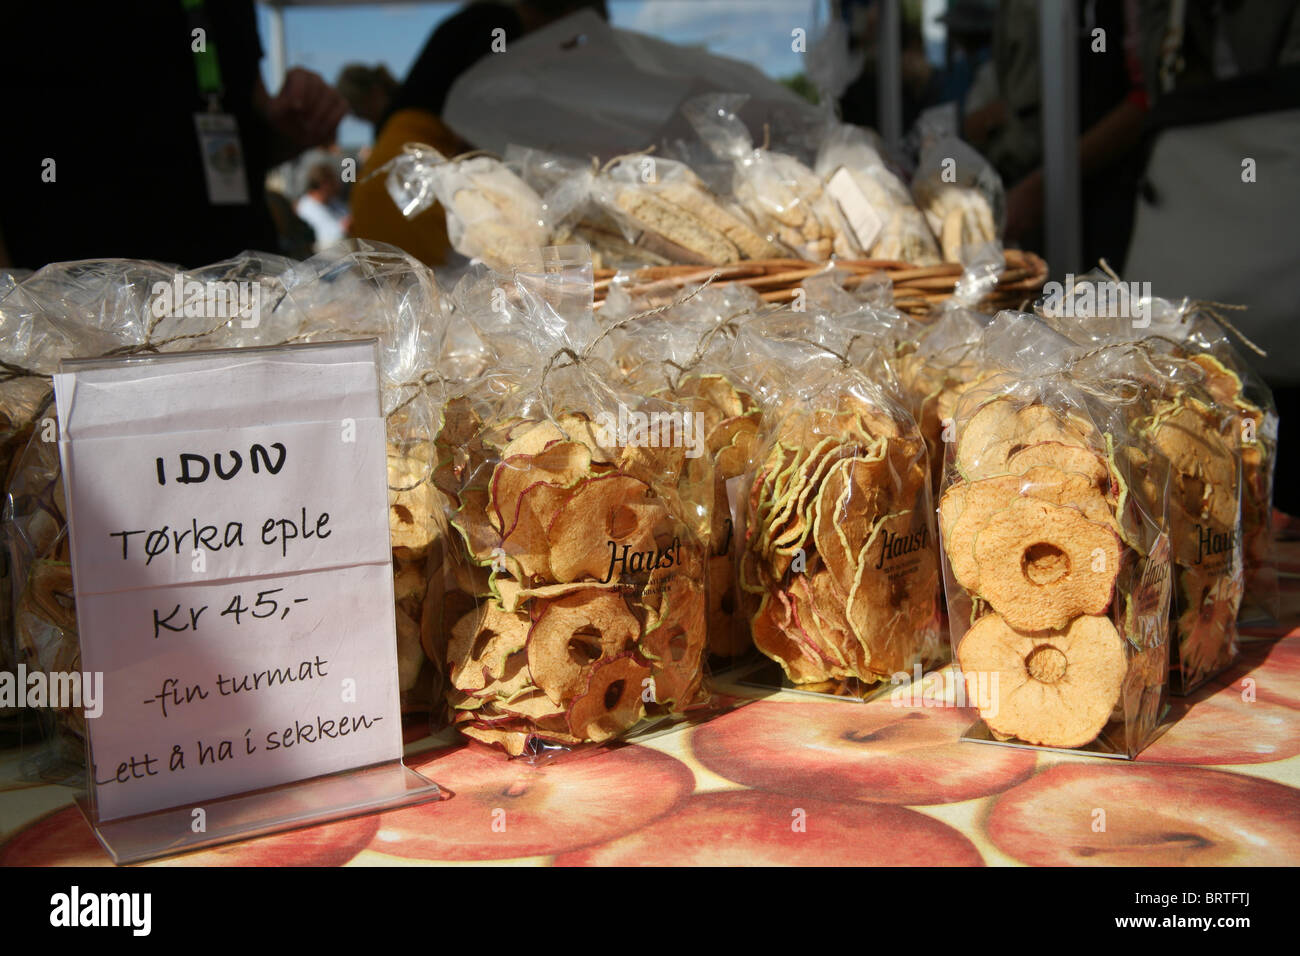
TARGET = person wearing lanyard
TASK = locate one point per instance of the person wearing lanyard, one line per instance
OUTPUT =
(149, 134)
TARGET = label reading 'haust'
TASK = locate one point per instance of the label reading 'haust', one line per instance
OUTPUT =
(232, 570)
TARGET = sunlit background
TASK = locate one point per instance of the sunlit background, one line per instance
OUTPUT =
(327, 38)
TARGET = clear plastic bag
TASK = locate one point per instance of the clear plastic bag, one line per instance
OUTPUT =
(576, 605)
(840, 568)
(492, 214)
(1195, 331)
(690, 353)
(1196, 438)
(961, 195)
(782, 195)
(122, 307)
(1056, 557)
(875, 203)
(664, 207)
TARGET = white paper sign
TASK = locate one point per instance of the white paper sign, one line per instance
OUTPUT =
(230, 555)
(856, 209)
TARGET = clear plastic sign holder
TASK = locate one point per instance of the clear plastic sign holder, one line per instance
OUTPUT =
(199, 821)
(245, 816)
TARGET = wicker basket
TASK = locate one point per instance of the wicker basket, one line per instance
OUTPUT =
(916, 288)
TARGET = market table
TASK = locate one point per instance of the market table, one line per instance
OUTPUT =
(796, 779)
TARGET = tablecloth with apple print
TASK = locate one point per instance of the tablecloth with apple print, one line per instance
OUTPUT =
(792, 779)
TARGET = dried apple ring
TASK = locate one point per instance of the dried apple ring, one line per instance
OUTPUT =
(1055, 689)
(573, 633)
(605, 519)
(1042, 564)
(611, 700)
(965, 508)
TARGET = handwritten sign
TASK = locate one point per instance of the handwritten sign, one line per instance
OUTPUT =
(230, 554)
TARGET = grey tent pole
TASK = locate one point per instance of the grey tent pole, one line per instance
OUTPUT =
(1059, 66)
(278, 49)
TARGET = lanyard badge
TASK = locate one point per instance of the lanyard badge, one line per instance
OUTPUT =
(219, 144)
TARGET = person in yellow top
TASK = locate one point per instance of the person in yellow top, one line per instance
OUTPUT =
(413, 115)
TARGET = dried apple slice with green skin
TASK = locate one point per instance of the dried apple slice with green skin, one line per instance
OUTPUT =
(574, 632)
(604, 519)
(611, 700)
(512, 595)
(791, 536)
(1073, 458)
(481, 642)
(888, 610)
(731, 430)
(533, 706)
(471, 520)
(514, 680)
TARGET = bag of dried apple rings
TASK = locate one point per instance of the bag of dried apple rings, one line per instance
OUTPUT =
(1200, 333)
(581, 522)
(839, 568)
(688, 354)
(1180, 421)
(1056, 557)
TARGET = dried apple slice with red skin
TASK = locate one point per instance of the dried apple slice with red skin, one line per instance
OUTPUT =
(572, 633)
(526, 545)
(563, 463)
(608, 512)
(770, 629)
(611, 702)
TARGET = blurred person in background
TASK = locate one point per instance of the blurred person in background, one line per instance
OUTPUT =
(123, 139)
(321, 206)
(922, 83)
(1217, 211)
(368, 90)
(1112, 109)
(415, 110)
